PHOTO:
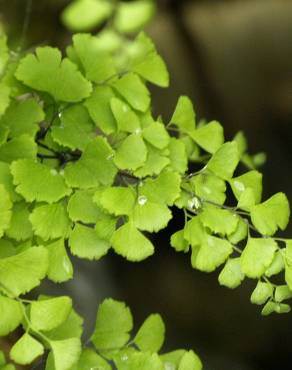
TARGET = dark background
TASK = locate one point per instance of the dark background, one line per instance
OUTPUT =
(234, 59)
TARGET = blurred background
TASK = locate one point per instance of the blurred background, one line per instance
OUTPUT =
(234, 59)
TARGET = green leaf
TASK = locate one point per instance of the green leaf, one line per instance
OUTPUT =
(184, 115)
(99, 108)
(81, 207)
(98, 65)
(21, 273)
(150, 336)
(4, 52)
(277, 265)
(26, 350)
(155, 162)
(50, 221)
(271, 307)
(49, 313)
(4, 97)
(71, 328)
(178, 155)
(22, 118)
(75, 130)
(20, 147)
(262, 293)
(220, 221)
(36, 181)
(272, 214)
(95, 166)
(240, 232)
(282, 293)
(131, 243)
(131, 88)
(224, 161)
(257, 256)
(178, 242)
(118, 200)
(126, 118)
(149, 216)
(85, 243)
(7, 180)
(153, 69)
(210, 254)
(210, 137)
(132, 153)
(139, 361)
(89, 360)
(83, 15)
(65, 353)
(132, 16)
(194, 232)
(60, 266)
(11, 315)
(172, 359)
(190, 361)
(20, 227)
(5, 210)
(210, 187)
(231, 275)
(105, 227)
(113, 323)
(156, 135)
(165, 189)
(252, 180)
(46, 71)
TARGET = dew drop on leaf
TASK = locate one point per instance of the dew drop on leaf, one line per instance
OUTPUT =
(142, 200)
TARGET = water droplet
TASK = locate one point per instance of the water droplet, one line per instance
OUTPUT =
(169, 366)
(138, 131)
(60, 114)
(141, 183)
(239, 185)
(62, 172)
(124, 358)
(194, 203)
(54, 172)
(125, 108)
(142, 200)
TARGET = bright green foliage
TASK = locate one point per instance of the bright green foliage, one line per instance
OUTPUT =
(46, 71)
(257, 256)
(224, 161)
(82, 15)
(113, 323)
(22, 118)
(75, 129)
(11, 315)
(231, 275)
(95, 166)
(131, 88)
(50, 221)
(210, 137)
(48, 314)
(130, 243)
(132, 16)
(65, 353)
(15, 276)
(36, 181)
(26, 349)
(150, 336)
(262, 293)
(274, 213)
(86, 166)
(86, 243)
(60, 267)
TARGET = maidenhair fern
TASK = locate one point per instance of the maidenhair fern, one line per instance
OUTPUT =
(85, 168)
